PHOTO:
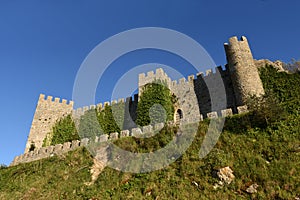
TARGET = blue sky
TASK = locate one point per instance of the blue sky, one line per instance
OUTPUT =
(43, 43)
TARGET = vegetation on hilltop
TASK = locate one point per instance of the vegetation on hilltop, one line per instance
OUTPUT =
(266, 155)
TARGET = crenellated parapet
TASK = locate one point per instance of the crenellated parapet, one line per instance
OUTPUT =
(227, 112)
(199, 96)
(151, 77)
(139, 132)
(100, 106)
(126, 106)
(45, 152)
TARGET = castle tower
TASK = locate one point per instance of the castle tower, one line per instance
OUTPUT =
(187, 106)
(46, 114)
(152, 77)
(243, 72)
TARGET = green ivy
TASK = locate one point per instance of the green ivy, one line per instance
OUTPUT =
(106, 119)
(89, 125)
(284, 86)
(63, 131)
(155, 101)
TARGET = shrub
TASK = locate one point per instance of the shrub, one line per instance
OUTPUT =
(264, 110)
(284, 87)
(63, 131)
(89, 126)
(107, 120)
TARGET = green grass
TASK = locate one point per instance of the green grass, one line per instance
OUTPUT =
(267, 156)
(247, 153)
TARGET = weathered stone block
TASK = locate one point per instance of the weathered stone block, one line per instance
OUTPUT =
(158, 126)
(50, 149)
(30, 154)
(75, 144)
(147, 129)
(103, 138)
(35, 152)
(58, 148)
(212, 115)
(136, 132)
(201, 117)
(84, 141)
(114, 136)
(124, 133)
(226, 112)
(43, 150)
(67, 146)
(242, 109)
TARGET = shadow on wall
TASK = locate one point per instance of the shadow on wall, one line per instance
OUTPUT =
(203, 94)
(130, 112)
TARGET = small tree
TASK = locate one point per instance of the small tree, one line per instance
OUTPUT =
(107, 121)
(63, 131)
(89, 126)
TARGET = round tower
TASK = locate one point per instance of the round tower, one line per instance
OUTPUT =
(244, 74)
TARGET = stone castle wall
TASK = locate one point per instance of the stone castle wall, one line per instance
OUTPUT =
(240, 78)
(47, 112)
(46, 152)
(130, 110)
(195, 93)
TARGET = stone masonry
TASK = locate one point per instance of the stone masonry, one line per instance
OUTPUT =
(240, 78)
(46, 114)
(243, 71)
(102, 141)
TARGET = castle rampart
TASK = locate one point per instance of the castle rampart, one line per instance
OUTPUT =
(46, 114)
(45, 152)
(198, 97)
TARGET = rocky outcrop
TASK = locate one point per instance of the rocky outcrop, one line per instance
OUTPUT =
(252, 188)
(277, 64)
(225, 176)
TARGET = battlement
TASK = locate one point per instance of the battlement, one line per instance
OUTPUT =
(196, 94)
(49, 99)
(140, 132)
(235, 40)
(48, 111)
(159, 72)
(227, 112)
(100, 106)
(45, 152)
(151, 77)
(209, 73)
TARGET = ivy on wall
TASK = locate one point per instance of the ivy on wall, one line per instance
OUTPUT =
(156, 104)
(63, 131)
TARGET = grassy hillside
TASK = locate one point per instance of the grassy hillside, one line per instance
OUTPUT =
(268, 156)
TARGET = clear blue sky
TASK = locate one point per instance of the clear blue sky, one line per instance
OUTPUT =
(43, 43)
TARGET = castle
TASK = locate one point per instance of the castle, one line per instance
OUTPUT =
(198, 97)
